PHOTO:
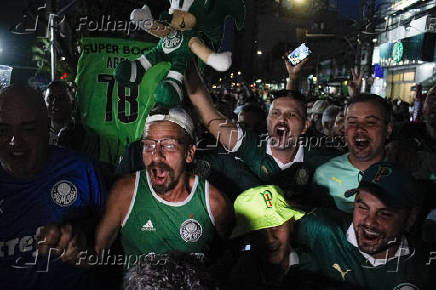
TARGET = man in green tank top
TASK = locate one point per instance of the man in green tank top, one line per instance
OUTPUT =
(160, 209)
(373, 249)
(163, 208)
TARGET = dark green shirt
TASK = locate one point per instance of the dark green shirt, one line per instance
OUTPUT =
(253, 150)
(325, 233)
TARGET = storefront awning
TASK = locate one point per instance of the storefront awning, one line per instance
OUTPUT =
(419, 47)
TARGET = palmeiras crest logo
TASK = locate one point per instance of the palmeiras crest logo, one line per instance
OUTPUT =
(172, 42)
(406, 286)
(191, 230)
(64, 193)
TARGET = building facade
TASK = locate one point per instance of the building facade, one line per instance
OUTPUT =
(404, 53)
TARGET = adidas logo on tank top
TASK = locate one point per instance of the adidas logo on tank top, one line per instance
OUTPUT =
(148, 226)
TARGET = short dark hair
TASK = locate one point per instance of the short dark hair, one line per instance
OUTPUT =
(32, 94)
(384, 106)
(293, 94)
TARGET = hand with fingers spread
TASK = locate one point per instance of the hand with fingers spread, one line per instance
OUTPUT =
(355, 84)
(62, 241)
(294, 71)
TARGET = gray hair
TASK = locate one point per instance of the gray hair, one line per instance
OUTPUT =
(329, 114)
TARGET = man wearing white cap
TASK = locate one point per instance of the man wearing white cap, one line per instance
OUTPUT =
(163, 208)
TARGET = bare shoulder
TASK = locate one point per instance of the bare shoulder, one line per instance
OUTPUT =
(122, 191)
(217, 197)
(117, 207)
(222, 211)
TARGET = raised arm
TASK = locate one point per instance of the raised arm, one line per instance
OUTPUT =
(294, 72)
(356, 83)
(218, 125)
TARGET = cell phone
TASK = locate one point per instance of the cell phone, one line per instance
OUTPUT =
(298, 54)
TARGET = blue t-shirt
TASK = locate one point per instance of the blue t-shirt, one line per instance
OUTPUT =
(68, 189)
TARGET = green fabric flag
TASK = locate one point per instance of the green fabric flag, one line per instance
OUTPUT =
(113, 115)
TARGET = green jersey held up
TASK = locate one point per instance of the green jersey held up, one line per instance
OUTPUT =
(112, 113)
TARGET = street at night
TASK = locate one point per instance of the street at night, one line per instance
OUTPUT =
(218, 144)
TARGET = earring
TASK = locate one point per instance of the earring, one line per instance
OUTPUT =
(12, 142)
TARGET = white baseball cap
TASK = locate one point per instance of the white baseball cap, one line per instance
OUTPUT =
(176, 115)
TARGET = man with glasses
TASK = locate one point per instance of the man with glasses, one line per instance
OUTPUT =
(164, 208)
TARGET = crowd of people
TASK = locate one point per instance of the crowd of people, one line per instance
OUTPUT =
(337, 195)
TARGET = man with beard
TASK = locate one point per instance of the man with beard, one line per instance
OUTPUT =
(367, 126)
(276, 158)
(163, 208)
(374, 249)
(40, 184)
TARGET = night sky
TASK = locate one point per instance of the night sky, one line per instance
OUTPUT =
(349, 8)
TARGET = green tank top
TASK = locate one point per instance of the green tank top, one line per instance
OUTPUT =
(153, 225)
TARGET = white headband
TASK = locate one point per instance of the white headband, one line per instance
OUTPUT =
(176, 115)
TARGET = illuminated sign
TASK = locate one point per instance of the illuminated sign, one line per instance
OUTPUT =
(397, 51)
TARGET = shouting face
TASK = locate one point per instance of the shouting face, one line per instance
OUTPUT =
(378, 228)
(286, 122)
(366, 131)
(165, 155)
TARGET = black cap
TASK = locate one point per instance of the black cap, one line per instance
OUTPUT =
(394, 186)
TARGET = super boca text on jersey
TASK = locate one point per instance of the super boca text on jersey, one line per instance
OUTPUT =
(111, 48)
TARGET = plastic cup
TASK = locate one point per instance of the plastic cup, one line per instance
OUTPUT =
(5, 75)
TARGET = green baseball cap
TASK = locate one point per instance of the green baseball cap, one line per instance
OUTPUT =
(392, 185)
(260, 208)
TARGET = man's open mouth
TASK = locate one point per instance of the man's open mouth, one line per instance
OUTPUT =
(370, 235)
(282, 130)
(361, 142)
(159, 175)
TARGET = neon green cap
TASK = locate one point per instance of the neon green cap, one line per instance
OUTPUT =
(260, 208)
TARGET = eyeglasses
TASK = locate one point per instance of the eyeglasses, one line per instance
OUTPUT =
(166, 145)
